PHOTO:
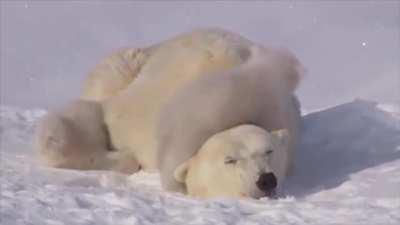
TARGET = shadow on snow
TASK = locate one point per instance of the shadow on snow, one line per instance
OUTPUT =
(340, 141)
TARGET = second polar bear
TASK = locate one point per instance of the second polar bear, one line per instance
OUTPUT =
(132, 85)
(132, 114)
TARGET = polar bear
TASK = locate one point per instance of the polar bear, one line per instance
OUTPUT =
(133, 84)
(234, 163)
(75, 137)
(132, 114)
(258, 92)
(140, 102)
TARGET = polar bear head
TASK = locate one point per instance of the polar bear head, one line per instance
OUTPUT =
(235, 163)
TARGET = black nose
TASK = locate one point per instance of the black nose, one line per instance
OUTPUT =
(267, 182)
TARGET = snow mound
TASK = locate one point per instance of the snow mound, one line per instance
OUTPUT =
(391, 108)
(16, 129)
(347, 172)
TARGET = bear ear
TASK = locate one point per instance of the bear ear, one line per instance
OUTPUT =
(282, 136)
(181, 172)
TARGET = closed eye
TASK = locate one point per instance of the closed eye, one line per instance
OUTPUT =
(269, 152)
(230, 160)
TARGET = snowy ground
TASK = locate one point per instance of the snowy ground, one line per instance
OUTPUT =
(348, 172)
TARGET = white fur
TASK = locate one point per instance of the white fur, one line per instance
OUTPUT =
(114, 73)
(166, 100)
(258, 92)
(132, 115)
(230, 163)
(76, 137)
(133, 84)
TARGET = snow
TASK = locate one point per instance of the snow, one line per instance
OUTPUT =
(347, 172)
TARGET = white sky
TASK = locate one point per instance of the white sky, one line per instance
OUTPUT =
(350, 49)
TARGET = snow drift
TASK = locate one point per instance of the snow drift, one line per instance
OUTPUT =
(347, 172)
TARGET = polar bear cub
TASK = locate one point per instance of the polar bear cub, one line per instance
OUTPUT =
(75, 137)
(234, 163)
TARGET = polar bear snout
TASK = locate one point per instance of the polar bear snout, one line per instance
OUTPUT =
(267, 182)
